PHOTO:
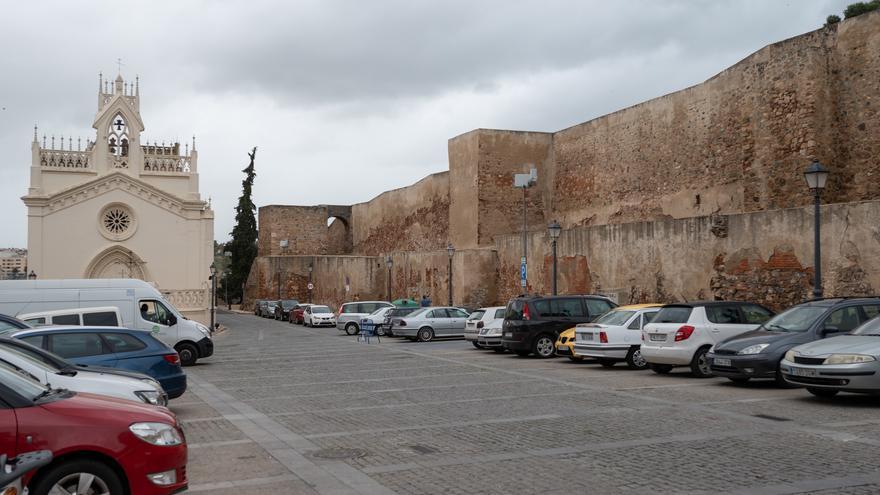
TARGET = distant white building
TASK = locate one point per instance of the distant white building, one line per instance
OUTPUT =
(13, 263)
(119, 207)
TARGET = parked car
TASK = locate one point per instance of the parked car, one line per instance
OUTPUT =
(484, 318)
(378, 319)
(27, 360)
(107, 316)
(349, 317)
(260, 306)
(843, 363)
(396, 313)
(427, 323)
(268, 309)
(141, 306)
(757, 354)
(681, 334)
(101, 445)
(315, 315)
(616, 336)
(532, 324)
(133, 350)
(489, 336)
(296, 313)
(282, 309)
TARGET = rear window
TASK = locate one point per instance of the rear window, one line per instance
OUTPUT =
(476, 315)
(673, 314)
(123, 342)
(615, 318)
(65, 320)
(349, 308)
(514, 310)
(102, 319)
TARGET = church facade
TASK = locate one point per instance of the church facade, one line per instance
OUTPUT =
(119, 207)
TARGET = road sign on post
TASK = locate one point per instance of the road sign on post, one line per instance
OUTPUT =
(522, 272)
(311, 286)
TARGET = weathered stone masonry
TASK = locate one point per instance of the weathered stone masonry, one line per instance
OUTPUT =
(698, 193)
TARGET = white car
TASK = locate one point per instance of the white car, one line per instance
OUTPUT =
(616, 336)
(319, 316)
(682, 334)
(483, 327)
(144, 390)
(378, 319)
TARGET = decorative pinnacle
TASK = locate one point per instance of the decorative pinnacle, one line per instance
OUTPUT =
(194, 142)
(35, 133)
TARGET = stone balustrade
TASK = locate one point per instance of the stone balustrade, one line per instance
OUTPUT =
(65, 159)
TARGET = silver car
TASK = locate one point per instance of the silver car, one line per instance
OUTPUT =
(427, 323)
(351, 313)
(848, 363)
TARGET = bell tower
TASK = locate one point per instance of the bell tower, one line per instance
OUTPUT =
(119, 126)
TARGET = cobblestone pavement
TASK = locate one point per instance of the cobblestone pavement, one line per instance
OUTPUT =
(283, 409)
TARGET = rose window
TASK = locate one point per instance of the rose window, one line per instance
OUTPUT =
(116, 220)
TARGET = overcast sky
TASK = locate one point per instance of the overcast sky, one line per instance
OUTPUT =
(346, 99)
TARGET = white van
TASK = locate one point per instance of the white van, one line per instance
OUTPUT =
(107, 316)
(140, 305)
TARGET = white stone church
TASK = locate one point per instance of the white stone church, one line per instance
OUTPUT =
(119, 207)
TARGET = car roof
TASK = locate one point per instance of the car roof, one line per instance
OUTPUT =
(694, 304)
(639, 306)
(530, 297)
(833, 301)
(81, 328)
(491, 308)
(55, 312)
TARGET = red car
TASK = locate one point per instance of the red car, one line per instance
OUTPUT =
(100, 444)
(296, 314)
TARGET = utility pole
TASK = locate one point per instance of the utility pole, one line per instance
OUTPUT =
(525, 181)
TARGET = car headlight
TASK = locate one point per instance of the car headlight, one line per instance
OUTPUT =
(157, 433)
(848, 359)
(789, 356)
(754, 349)
(150, 397)
(203, 329)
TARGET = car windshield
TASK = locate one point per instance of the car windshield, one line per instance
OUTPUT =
(615, 318)
(796, 319)
(870, 327)
(476, 315)
(321, 309)
(19, 383)
(289, 304)
(30, 357)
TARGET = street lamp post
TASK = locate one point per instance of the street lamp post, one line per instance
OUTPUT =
(450, 250)
(525, 181)
(226, 274)
(555, 229)
(389, 263)
(311, 269)
(213, 292)
(32, 275)
(816, 175)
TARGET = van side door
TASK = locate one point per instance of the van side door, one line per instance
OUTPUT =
(161, 322)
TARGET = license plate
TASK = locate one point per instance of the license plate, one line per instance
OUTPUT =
(585, 336)
(658, 337)
(808, 372)
(508, 334)
(722, 362)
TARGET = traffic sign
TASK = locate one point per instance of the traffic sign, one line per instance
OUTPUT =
(522, 273)
(311, 286)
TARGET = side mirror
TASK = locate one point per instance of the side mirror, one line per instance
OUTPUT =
(829, 330)
(172, 320)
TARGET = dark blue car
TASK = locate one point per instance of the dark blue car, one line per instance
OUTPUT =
(134, 350)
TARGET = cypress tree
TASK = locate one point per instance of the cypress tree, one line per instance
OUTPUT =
(243, 245)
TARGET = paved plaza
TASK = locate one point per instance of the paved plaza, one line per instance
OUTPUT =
(283, 409)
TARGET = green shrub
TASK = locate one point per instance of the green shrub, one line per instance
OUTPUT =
(832, 19)
(860, 8)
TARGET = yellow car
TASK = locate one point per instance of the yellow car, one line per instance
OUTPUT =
(565, 345)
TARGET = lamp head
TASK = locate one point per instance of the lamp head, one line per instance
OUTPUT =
(554, 229)
(816, 176)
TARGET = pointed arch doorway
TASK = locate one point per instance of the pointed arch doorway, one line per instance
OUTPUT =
(117, 262)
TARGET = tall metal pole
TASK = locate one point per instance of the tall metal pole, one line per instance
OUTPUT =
(450, 281)
(213, 292)
(389, 284)
(279, 283)
(817, 248)
(525, 281)
(554, 266)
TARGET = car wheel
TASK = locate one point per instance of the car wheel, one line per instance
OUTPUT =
(739, 380)
(661, 369)
(825, 393)
(476, 344)
(188, 354)
(84, 476)
(607, 363)
(426, 334)
(576, 358)
(522, 353)
(350, 329)
(380, 330)
(635, 360)
(544, 346)
(700, 364)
